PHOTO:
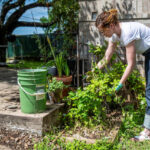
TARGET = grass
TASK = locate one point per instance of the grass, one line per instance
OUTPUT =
(131, 126)
(24, 64)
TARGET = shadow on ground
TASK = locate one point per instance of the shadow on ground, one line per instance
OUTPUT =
(8, 75)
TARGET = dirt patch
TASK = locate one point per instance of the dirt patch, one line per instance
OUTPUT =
(17, 140)
(3, 147)
(108, 131)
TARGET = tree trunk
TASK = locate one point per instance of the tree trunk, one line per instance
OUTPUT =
(3, 55)
(3, 43)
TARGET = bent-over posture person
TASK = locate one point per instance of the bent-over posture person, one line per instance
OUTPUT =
(136, 39)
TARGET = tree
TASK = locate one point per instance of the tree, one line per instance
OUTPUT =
(7, 25)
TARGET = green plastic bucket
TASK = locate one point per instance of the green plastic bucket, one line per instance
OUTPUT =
(32, 88)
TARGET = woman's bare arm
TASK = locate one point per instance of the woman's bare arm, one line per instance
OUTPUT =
(131, 60)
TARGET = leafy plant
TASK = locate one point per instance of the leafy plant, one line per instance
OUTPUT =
(51, 47)
(66, 14)
(61, 143)
(55, 89)
(91, 104)
(59, 60)
(66, 69)
(55, 85)
(98, 50)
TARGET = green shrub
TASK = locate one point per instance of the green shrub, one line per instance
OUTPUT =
(91, 104)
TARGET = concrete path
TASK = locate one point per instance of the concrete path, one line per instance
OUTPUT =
(17, 128)
(9, 92)
(9, 89)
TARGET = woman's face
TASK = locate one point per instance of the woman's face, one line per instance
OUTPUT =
(106, 31)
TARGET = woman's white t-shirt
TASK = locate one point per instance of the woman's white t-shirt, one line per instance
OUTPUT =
(131, 31)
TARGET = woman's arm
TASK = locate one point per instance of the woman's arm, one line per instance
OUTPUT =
(108, 54)
(131, 59)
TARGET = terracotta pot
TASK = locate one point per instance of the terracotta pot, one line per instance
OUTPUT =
(65, 79)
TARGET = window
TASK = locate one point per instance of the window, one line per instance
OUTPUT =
(94, 15)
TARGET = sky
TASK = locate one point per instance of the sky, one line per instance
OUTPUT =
(30, 15)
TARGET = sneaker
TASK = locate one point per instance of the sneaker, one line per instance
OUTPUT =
(142, 137)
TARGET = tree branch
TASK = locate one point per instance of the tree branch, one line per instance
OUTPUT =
(33, 24)
(7, 6)
(18, 13)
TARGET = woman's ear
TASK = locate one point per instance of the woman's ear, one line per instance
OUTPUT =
(112, 26)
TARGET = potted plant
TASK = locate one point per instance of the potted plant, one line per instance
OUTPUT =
(61, 65)
(55, 90)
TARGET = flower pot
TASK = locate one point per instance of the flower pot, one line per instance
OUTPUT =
(65, 79)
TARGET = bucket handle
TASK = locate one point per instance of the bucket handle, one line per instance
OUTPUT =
(35, 94)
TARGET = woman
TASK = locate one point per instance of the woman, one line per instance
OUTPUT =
(136, 39)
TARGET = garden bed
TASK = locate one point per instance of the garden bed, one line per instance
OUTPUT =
(90, 135)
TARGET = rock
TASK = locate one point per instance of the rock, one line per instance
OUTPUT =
(12, 107)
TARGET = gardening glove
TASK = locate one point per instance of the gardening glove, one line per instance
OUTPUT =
(118, 87)
(94, 68)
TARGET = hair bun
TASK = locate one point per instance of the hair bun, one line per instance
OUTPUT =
(106, 18)
(113, 11)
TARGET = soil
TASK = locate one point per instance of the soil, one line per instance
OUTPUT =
(3, 147)
(17, 140)
(108, 131)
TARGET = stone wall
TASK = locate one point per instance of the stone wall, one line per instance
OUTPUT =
(129, 10)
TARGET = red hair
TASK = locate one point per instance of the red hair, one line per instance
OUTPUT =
(106, 18)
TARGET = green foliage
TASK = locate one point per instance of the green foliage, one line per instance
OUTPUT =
(99, 145)
(59, 60)
(55, 85)
(47, 144)
(22, 64)
(64, 14)
(62, 66)
(131, 126)
(66, 68)
(91, 104)
(50, 63)
(98, 50)
(51, 47)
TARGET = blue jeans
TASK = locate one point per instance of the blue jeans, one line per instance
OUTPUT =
(146, 123)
